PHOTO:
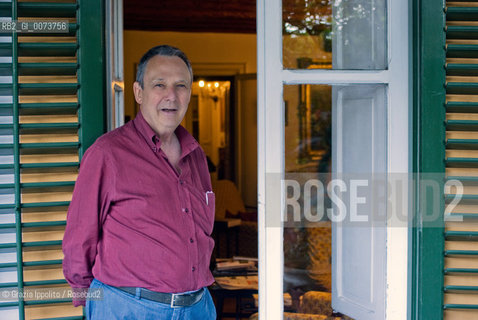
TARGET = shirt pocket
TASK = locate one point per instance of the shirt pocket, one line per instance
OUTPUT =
(210, 199)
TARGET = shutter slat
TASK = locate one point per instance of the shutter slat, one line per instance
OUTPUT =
(461, 253)
(460, 270)
(47, 9)
(460, 306)
(461, 51)
(462, 32)
(462, 235)
(461, 69)
(462, 144)
(462, 162)
(462, 88)
(46, 49)
(461, 288)
(462, 125)
(42, 263)
(462, 14)
(38, 69)
(461, 107)
(44, 224)
(48, 88)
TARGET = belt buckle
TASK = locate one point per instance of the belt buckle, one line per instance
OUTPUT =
(173, 297)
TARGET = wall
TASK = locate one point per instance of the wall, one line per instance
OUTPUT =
(210, 54)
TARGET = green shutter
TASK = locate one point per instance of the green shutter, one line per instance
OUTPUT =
(426, 256)
(50, 112)
(461, 237)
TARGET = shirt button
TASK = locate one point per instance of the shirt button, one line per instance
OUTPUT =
(181, 182)
(191, 240)
(186, 210)
(194, 268)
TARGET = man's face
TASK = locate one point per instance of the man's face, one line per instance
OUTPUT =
(165, 95)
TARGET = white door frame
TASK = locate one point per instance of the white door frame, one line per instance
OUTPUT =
(271, 78)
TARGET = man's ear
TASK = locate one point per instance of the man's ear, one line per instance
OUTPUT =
(138, 92)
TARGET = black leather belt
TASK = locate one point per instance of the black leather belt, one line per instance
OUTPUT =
(173, 299)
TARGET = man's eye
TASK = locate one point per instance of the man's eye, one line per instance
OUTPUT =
(181, 85)
(160, 85)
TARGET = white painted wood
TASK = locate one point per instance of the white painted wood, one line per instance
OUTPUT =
(270, 158)
(358, 241)
(114, 65)
(321, 76)
(399, 156)
(390, 245)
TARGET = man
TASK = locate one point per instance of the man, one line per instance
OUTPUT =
(140, 221)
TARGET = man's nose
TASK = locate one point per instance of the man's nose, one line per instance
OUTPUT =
(171, 94)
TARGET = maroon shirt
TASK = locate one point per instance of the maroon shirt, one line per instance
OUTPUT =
(134, 221)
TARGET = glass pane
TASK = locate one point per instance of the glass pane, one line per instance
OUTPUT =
(316, 117)
(334, 34)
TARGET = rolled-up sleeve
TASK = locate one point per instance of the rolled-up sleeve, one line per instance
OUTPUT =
(87, 210)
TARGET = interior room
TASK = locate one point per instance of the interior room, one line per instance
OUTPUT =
(220, 40)
(222, 115)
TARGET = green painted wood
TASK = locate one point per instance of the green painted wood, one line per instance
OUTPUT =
(47, 9)
(41, 69)
(470, 144)
(65, 125)
(462, 51)
(8, 265)
(465, 216)
(462, 32)
(460, 306)
(48, 165)
(462, 125)
(42, 263)
(64, 105)
(50, 145)
(462, 88)
(462, 162)
(47, 184)
(46, 204)
(8, 304)
(460, 270)
(428, 76)
(48, 88)
(47, 302)
(462, 14)
(46, 49)
(9, 285)
(461, 253)
(461, 107)
(43, 224)
(45, 282)
(461, 288)
(461, 69)
(462, 235)
(91, 55)
(42, 244)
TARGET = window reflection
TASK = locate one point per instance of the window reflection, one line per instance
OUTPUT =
(308, 244)
(335, 34)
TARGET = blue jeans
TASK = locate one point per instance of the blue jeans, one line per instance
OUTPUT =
(119, 305)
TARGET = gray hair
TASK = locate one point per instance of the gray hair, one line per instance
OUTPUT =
(163, 50)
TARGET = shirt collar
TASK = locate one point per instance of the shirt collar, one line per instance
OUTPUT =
(186, 140)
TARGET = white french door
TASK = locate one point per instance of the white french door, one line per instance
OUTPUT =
(346, 62)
